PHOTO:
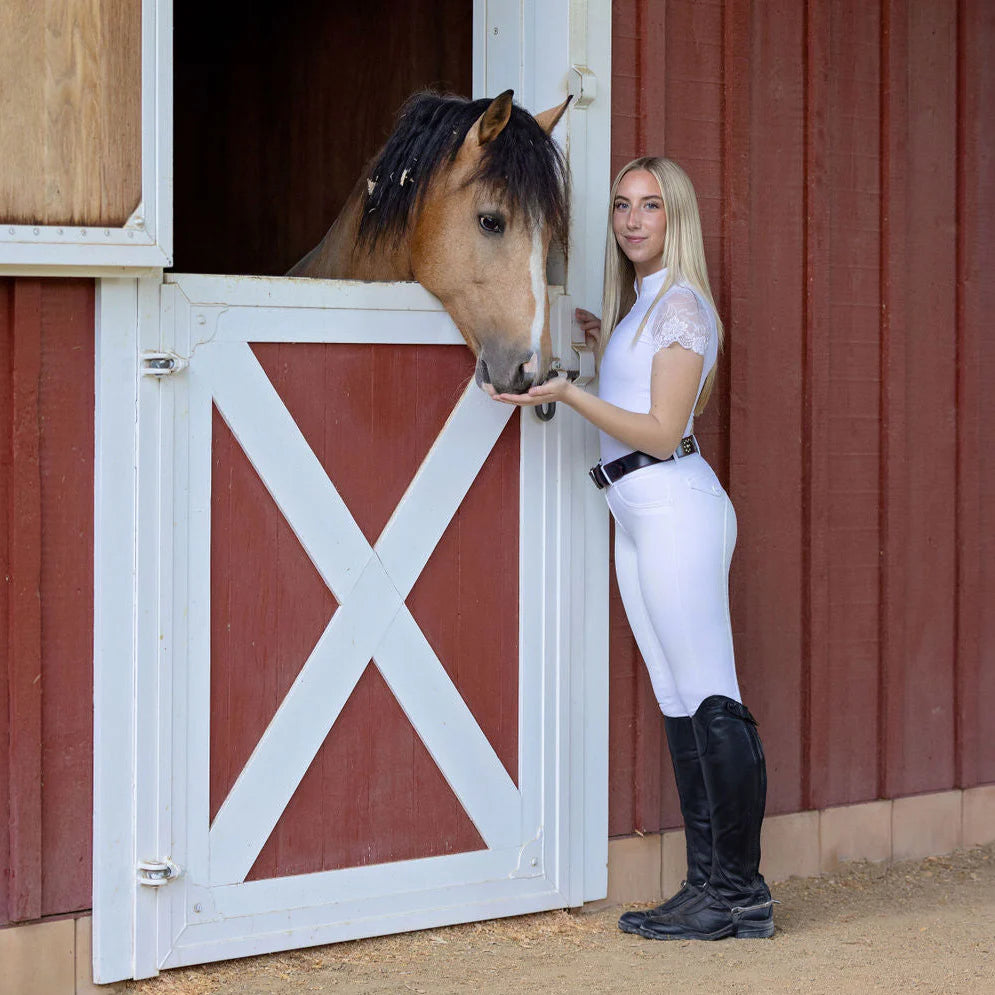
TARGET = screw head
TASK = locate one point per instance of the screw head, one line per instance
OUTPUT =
(198, 907)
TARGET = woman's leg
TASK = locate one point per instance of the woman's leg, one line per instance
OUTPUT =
(680, 739)
(627, 575)
(683, 555)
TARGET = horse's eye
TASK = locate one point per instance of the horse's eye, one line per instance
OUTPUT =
(491, 224)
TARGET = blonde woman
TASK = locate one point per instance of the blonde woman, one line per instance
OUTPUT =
(675, 530)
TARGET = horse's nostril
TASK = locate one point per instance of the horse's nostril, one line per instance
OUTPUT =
(524, 378)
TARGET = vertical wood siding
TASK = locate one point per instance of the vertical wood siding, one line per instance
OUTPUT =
(46, 606)
(842, 154)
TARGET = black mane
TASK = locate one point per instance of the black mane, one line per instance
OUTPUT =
(523, 165)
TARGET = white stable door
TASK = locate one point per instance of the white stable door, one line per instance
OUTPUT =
(194, 902)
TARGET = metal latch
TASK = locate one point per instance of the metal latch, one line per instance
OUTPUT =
(161, 364)
(156, 873)
(586, 367)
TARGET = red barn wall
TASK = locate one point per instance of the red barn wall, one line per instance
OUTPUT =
(844, 165)
(46, 604)
(844, 162)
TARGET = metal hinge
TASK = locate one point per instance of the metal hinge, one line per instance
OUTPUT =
(162, 364)
(155, 873)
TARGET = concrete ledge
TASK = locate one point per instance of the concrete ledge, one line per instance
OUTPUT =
(854, 832)
(635, 870)
(789, 846)
(50, 958)
(39, 958)
(979, 815)
(804, 844)
(924, 825)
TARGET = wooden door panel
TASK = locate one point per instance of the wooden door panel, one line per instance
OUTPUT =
(372, 793)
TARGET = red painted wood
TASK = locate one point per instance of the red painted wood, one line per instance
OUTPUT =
(24, 619)
(66, 458)
(919, 703)
(626, 52)
(766, 358)
(975, 400)
(6, 459)
(843, 400)
(894, 488)
(372, 793)
(46, 715)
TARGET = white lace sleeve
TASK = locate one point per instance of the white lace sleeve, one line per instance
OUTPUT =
(678, 318)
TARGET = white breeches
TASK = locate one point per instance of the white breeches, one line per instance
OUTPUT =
(675, 530)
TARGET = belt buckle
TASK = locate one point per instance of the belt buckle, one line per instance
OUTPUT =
(598, 476)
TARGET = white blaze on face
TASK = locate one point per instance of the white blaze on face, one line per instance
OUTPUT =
(538, 274)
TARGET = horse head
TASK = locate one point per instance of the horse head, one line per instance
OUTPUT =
(481, 239)
(466, 198)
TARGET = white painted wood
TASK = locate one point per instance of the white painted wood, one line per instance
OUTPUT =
(24, 248)
(352, 889)
(114, 609)
(151, 680)
(294, 928)
(302, 293)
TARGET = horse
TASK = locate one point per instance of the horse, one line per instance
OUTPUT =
(465, 197)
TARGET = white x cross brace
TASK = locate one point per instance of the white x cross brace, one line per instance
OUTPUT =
(372, 621)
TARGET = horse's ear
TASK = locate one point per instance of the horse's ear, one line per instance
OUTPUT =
(548, 120)
(491, 123)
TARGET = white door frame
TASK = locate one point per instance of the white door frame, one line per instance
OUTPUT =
(574, 34)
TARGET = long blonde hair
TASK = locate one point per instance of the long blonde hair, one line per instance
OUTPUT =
(683, 255)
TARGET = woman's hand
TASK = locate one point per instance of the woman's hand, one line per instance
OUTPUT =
(555, 389)
(590, 323)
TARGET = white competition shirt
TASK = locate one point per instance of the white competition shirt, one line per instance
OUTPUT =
(682, 316)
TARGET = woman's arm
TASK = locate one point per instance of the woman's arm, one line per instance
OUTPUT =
(675, 375)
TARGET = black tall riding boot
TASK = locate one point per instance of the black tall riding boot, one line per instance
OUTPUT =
(694, 808)
(736, 900)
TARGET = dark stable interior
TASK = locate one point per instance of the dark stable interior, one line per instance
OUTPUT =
(279, 106)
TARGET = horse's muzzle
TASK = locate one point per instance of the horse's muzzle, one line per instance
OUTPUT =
(514, 375)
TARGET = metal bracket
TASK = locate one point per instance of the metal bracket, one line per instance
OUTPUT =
(162, 364)
(156, 873)
(583, 87)
(530, 858)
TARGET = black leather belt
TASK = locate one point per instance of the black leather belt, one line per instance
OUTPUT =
(604, 474)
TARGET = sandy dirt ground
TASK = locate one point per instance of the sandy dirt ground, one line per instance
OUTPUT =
(923, 926)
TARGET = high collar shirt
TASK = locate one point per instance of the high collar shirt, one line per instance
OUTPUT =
(683, 317)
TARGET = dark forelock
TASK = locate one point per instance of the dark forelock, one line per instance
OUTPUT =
(522, 165)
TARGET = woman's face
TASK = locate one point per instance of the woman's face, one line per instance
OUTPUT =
(639, 221)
